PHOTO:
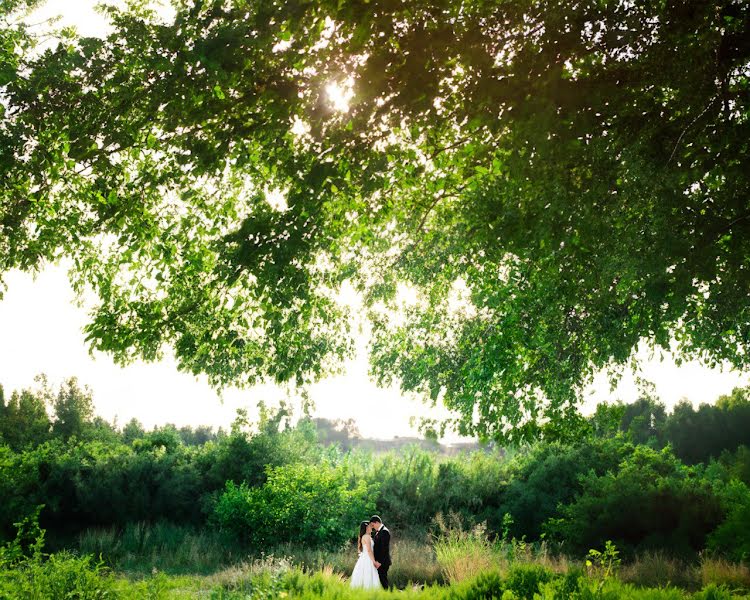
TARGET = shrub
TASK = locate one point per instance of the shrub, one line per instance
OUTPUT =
(563, 587)
(714, 592)
(307, 505)
(652, 502)
(26, 572)
(525, 580)
(488, 584)
(548, 474)
(732, 537)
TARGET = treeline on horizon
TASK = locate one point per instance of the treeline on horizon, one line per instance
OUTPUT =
(637, 474)
(32, 416)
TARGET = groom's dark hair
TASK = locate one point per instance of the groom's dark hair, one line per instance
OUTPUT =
(375, 519)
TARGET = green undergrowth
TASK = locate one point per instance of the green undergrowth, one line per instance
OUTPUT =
(65, 575)
(512, 571)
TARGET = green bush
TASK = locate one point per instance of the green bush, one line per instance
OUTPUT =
(488, 584)
(549, 474)
(26, 572)
(732, 537)
(307, 505)
(714, 592)
(563, 587)
(525, 580)
(652, 501)
(62, 575)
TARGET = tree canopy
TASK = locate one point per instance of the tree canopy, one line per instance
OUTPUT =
(550, 183)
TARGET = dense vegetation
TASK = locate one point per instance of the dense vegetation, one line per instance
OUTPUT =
(640, 477)
(212, 509)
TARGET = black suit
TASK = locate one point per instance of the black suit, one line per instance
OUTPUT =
(382, 552)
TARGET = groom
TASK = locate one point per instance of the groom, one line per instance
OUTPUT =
(382, 549)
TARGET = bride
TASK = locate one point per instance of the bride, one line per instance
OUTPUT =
(365, 574)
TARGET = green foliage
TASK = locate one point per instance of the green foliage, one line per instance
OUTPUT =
(737, 464)
(525, 580)
(307, 504)
(276, 486)
(96, 479)
(548, 475)
(732, 537)
(29, 541)
(607, 419)
(132, 431)
(557, 182)
(714, 592)
(24, 420)
(405, 485)
(652, 500)
(27, 572)
(74, 409)
(570, 585)
(695, 435)
(605, 563)
(644, 421)
(246, 454)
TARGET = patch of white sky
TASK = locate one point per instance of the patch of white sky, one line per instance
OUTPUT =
(41, 331)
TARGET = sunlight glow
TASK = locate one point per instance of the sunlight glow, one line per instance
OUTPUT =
(300, 128)
(276, 198)
(340, 94)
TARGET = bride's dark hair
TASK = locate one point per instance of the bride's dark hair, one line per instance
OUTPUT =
(362, 530)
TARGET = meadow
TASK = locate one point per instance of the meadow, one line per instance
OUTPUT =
(457, 565)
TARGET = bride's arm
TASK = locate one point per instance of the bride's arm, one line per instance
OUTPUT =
(368, 546)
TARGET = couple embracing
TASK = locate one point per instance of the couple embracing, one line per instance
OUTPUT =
(374, 545)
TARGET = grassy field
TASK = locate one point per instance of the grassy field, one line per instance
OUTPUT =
(455, 555)
(164, 561)
(70, 577)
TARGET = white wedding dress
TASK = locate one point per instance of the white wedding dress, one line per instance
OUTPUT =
(365, 575)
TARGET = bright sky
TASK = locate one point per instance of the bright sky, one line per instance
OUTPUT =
(40, 331)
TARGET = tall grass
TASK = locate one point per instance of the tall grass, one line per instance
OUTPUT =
(656, 569)
(66, 576)
(521, 582)
(139, 548)
(721, 572)
(451, 555)
(465, 553)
